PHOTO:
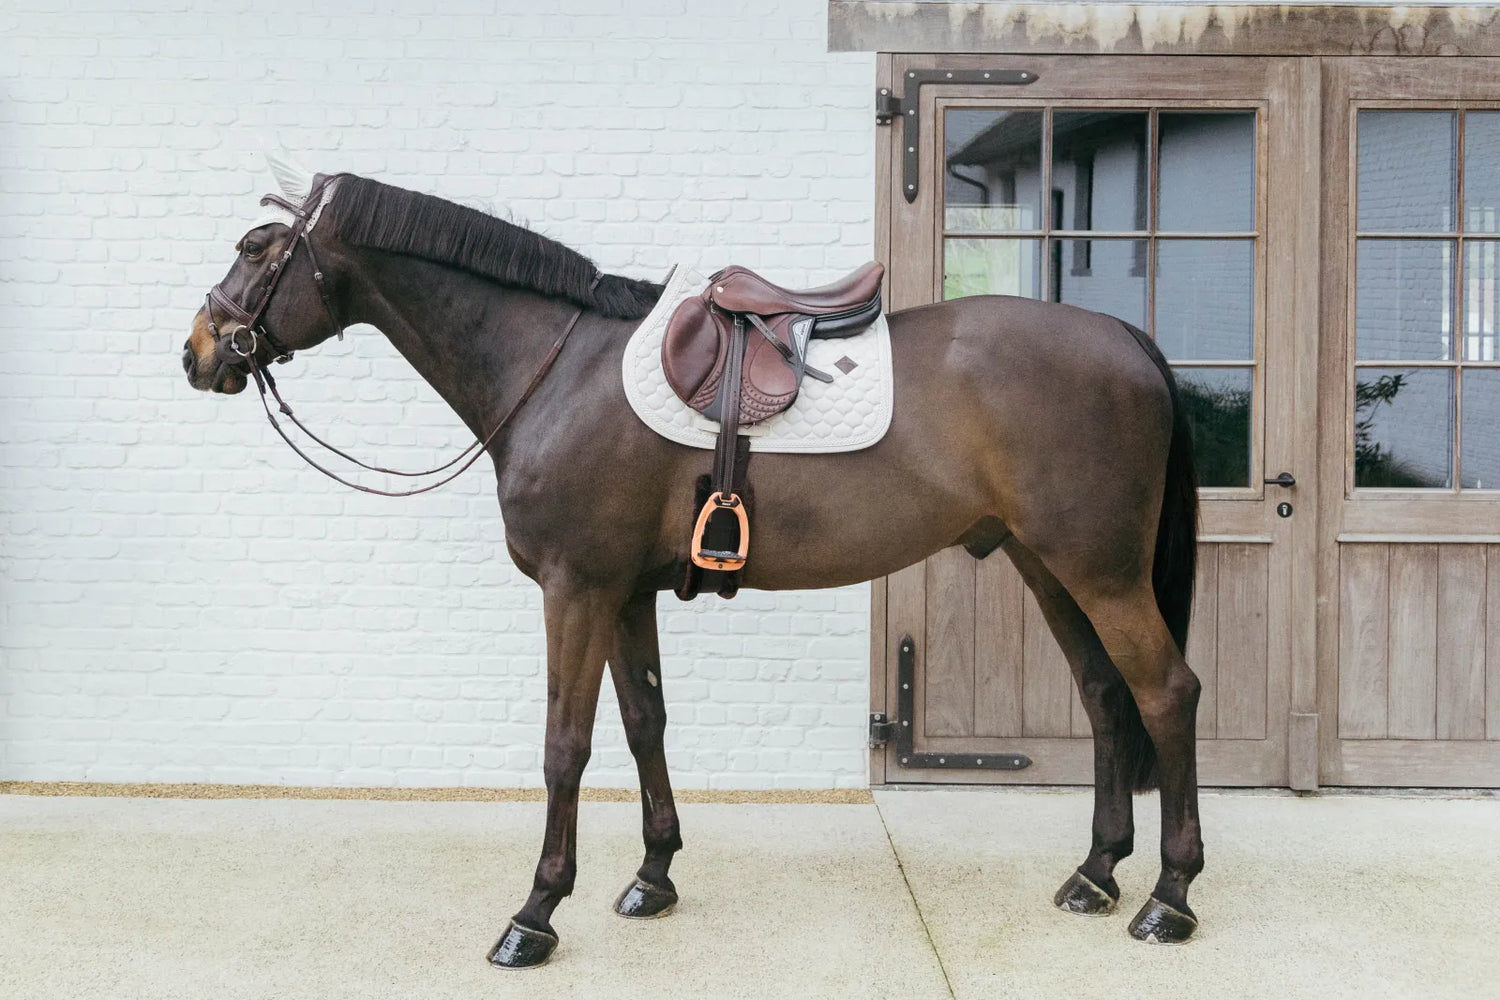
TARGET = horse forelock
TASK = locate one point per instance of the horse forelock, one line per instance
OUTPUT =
(382, 217)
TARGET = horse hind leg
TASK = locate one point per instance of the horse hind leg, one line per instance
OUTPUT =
(1132, 631)
(635, 665)
(1124, 759)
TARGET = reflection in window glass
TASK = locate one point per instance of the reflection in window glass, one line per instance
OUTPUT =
(1403, 427)
(1107, 276)
(1204, 290)
(1207, 167)
(1217, 403)
(1481, 450)
(1482, 301)
(992, 170)
(992, 267)
(1407, 171)
(1100, 170)
(1403, 304)
(1482, 171)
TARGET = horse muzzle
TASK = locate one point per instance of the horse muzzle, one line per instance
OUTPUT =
(205, 364)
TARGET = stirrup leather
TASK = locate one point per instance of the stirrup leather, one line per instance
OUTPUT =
(721, 559)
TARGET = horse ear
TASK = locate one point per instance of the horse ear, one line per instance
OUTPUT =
(294, 179)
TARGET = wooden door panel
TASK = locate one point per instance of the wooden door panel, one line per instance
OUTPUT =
(1411, 688)
(948, 700)
(1417, 637)
(999, 593)
(1461, 633)
(1047, 689)
(1492, 647)
(1203, 639)
(1364, 620)
(1243, 606)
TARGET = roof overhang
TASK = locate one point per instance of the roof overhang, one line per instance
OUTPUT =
(1163, 28)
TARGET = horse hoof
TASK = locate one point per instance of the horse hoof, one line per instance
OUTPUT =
(1079, 894)
(1159, 923)
(522, 948)
(644, 901)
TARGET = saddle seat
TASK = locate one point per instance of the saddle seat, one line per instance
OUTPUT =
(738, 289)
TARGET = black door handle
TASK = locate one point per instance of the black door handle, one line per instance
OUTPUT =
(1285, 479)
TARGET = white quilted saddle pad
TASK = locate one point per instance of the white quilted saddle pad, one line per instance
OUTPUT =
(850, 413)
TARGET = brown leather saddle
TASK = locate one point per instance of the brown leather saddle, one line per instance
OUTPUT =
(738, 354)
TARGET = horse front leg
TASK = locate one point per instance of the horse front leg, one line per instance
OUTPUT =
(635, 665)
(579, 632)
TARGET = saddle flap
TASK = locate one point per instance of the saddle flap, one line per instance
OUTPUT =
(692, 352)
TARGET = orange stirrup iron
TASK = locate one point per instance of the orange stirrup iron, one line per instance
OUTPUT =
(721, 559)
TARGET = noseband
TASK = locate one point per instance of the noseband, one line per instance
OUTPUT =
(230, 352)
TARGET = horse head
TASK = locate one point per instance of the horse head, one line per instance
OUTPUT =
(268, 306)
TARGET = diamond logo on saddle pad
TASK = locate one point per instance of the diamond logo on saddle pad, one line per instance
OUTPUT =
(851, 412)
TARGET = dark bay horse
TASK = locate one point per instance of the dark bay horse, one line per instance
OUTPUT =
(1046, 431)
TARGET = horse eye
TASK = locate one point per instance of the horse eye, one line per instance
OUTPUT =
(253, 250)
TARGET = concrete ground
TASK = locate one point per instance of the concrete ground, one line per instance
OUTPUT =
(918, 894)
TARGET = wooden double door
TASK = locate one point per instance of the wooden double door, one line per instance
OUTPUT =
(1194, 198)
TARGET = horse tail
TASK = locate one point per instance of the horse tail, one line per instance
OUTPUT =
(1175, 562)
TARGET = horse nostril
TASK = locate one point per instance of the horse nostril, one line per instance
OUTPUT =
(188, 359)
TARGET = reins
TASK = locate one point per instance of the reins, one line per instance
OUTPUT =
(263, 379)
(231, 353)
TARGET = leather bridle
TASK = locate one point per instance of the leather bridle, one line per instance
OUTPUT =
(231, 354)
(226, 345)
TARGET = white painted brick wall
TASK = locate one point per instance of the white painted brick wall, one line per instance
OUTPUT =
(182, 600)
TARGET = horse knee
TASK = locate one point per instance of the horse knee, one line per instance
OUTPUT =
(645, 725)
(564, 763)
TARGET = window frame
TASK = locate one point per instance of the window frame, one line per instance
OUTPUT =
(1459, 237)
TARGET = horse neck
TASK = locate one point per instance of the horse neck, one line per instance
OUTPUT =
(478, 343)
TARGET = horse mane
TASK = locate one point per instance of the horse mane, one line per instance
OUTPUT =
(371, 214)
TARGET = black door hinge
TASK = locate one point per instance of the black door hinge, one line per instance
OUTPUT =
(888, 107)
(883, 730)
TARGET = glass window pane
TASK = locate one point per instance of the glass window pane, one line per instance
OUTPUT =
(1204, 293)
(1482, 171)
(1207, 165)
(1482, 301)
(1217, 401)
(1107, 276)
(1481, 452)
(1403, 306)
(992, 267)
(992, 170)
(1099, 170)
(1403, 427)
(1407, 171)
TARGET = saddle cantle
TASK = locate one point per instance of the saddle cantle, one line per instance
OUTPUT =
(717, 366)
